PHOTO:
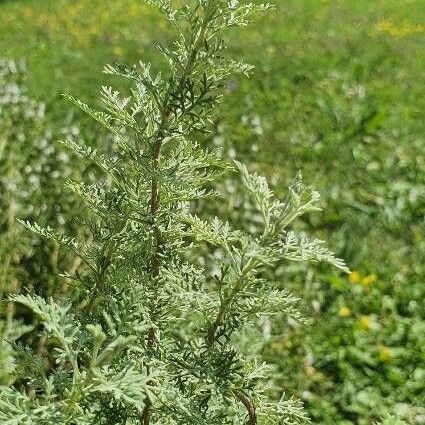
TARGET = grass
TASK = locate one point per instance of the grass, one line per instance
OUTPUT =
(338, 94)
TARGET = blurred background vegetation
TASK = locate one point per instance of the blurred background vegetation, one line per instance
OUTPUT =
(337, 93)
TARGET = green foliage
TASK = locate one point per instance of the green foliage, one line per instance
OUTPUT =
(341, 103)
(151, 328)
(337, 94)
(391, 420)
(349, 373)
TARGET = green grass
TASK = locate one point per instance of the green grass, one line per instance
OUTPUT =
(337, 93)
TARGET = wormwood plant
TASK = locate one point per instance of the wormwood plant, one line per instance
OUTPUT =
(149, 332)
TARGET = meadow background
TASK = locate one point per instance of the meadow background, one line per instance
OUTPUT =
(337, 93)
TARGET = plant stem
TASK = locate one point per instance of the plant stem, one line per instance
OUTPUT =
(226, 303)
(154, 200)
(249, 405)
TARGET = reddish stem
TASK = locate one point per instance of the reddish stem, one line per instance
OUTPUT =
(249, 405)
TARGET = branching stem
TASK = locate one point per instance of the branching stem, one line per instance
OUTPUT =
(156, 153)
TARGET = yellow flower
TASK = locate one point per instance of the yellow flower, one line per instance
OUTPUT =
(369, 279)
(406, 28)
(364, 322)
(344, 312)
(354, 277)
(384, 354)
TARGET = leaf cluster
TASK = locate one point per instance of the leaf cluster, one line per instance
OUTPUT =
(147, 333)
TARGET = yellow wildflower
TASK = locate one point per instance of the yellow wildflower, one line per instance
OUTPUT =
(354, 277)
(344, 312)
(402, 30)
(383, 354)
(364, 322)
(369, 279)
